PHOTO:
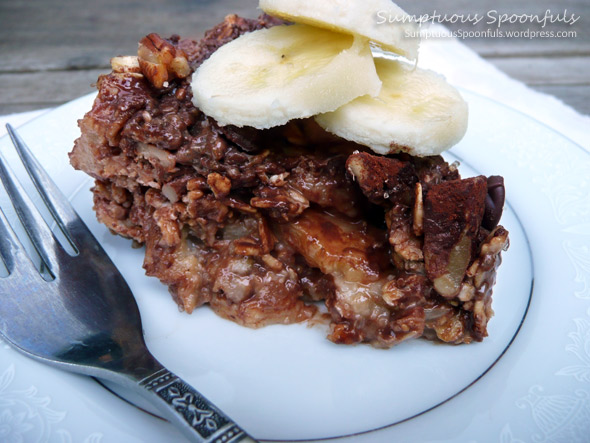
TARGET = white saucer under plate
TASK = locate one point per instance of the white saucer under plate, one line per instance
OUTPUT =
(528, 381)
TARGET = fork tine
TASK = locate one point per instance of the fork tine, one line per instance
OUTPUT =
(7, 243)
(11, 250)
(59, 207)
(39, 233)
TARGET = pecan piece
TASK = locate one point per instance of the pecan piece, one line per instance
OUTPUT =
(126, 64)
(160, 61)
(219, 184)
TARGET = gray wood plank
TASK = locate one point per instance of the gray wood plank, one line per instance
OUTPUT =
(514, 48)
(53, 87)
(14, 108)
(546, 70)
(73, 34)
(575, 96)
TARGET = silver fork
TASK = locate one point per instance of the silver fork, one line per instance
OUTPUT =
(80, 315)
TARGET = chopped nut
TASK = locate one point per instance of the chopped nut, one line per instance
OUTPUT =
(180, 66)
(195, 184)
(418, 212)
(146, 116)
(170, 193)
(406, 245)
(160, 61)
(391, 293)
(466, 293)
(219, 184)
(154, 198)
(125, 64)
(247, 247)
(267, 239)
(278, 179)
(495, 245)
(167, 221)
(240, 206)
(274, 264)
(119, 195)
(156, 156)
(471, 271)
(283, 203)
(194, 195)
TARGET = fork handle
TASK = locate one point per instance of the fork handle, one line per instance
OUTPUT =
(197, 417)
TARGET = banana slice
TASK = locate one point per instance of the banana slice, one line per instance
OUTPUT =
(416, 112)
(267, 77)
(381, 21)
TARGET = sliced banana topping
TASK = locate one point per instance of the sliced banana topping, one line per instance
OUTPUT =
(380, 21)
(416, 112)
(267, 77)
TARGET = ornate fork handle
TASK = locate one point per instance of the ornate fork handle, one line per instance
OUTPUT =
(196, 415)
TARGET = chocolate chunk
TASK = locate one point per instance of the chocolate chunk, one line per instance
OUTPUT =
(494, 203)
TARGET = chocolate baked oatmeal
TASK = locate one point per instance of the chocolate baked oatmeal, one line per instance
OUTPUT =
(272, 225)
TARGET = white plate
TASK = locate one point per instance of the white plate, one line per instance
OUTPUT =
(530, 380)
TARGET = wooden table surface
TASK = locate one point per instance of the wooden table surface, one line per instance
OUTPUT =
(53, 50)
